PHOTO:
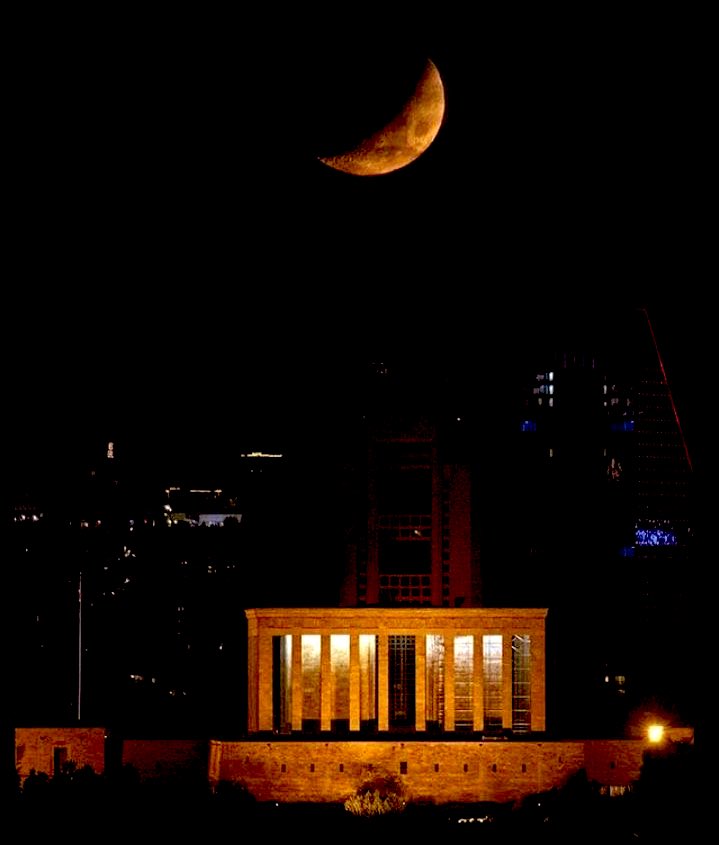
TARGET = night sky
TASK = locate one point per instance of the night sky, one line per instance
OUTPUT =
(184, 277)
(180, 265)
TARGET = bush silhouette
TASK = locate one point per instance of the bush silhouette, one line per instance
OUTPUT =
(379, 796)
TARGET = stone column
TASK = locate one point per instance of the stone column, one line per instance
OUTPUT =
(253, 674)
(420, 681)
(326, 684)
(263, 682)
(449, 680)
(383, 681)
(506, 678)
(354, 683)
(478, 684)
(538, 691)
(297, 686)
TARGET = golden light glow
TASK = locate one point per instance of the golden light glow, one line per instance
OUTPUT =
(655, 733)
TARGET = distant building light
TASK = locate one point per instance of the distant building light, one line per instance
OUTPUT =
(655, 733)
(218, 518)
(528, 425)
(260, 455)
(655, 537)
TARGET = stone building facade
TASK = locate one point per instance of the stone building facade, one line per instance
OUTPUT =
(50, 749)
(363, 671)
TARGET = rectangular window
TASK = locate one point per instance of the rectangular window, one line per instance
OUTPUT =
(464, 683)
(492, 670)
(434, 682)
(340, 663)
(401, 681)
(311, 673)
(521, 684)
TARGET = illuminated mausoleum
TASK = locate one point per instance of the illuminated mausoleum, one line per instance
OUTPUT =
(363, 671)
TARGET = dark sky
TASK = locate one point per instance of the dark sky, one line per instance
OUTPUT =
(177, 254)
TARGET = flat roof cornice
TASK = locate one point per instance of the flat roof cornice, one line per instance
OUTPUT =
(440, 613)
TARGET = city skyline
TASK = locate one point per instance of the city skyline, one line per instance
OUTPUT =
(298, 516)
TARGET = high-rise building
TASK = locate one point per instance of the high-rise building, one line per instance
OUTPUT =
(602, 528)
(412, 544)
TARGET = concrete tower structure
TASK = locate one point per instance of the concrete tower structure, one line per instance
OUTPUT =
(412, 546)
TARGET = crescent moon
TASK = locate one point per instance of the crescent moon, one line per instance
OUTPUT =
(404, 138)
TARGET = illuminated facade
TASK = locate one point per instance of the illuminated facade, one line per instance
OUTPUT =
(376, 670)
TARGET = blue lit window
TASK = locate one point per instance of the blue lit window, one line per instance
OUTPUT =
(655, 537)
(623, 425)
(529, 425)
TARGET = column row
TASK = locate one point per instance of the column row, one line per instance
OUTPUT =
(443, 682)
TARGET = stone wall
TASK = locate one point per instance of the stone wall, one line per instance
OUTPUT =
(41, 748)
(613, 762)
(166, 759)
(319, 771)
(442, 772)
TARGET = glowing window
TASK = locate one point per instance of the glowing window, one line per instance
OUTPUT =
(463, 682)
(521, 684)
(340, 663)
(311, 648)
(434, 682)
(492, 670)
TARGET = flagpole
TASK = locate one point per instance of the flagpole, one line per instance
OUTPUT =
(79, 649)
